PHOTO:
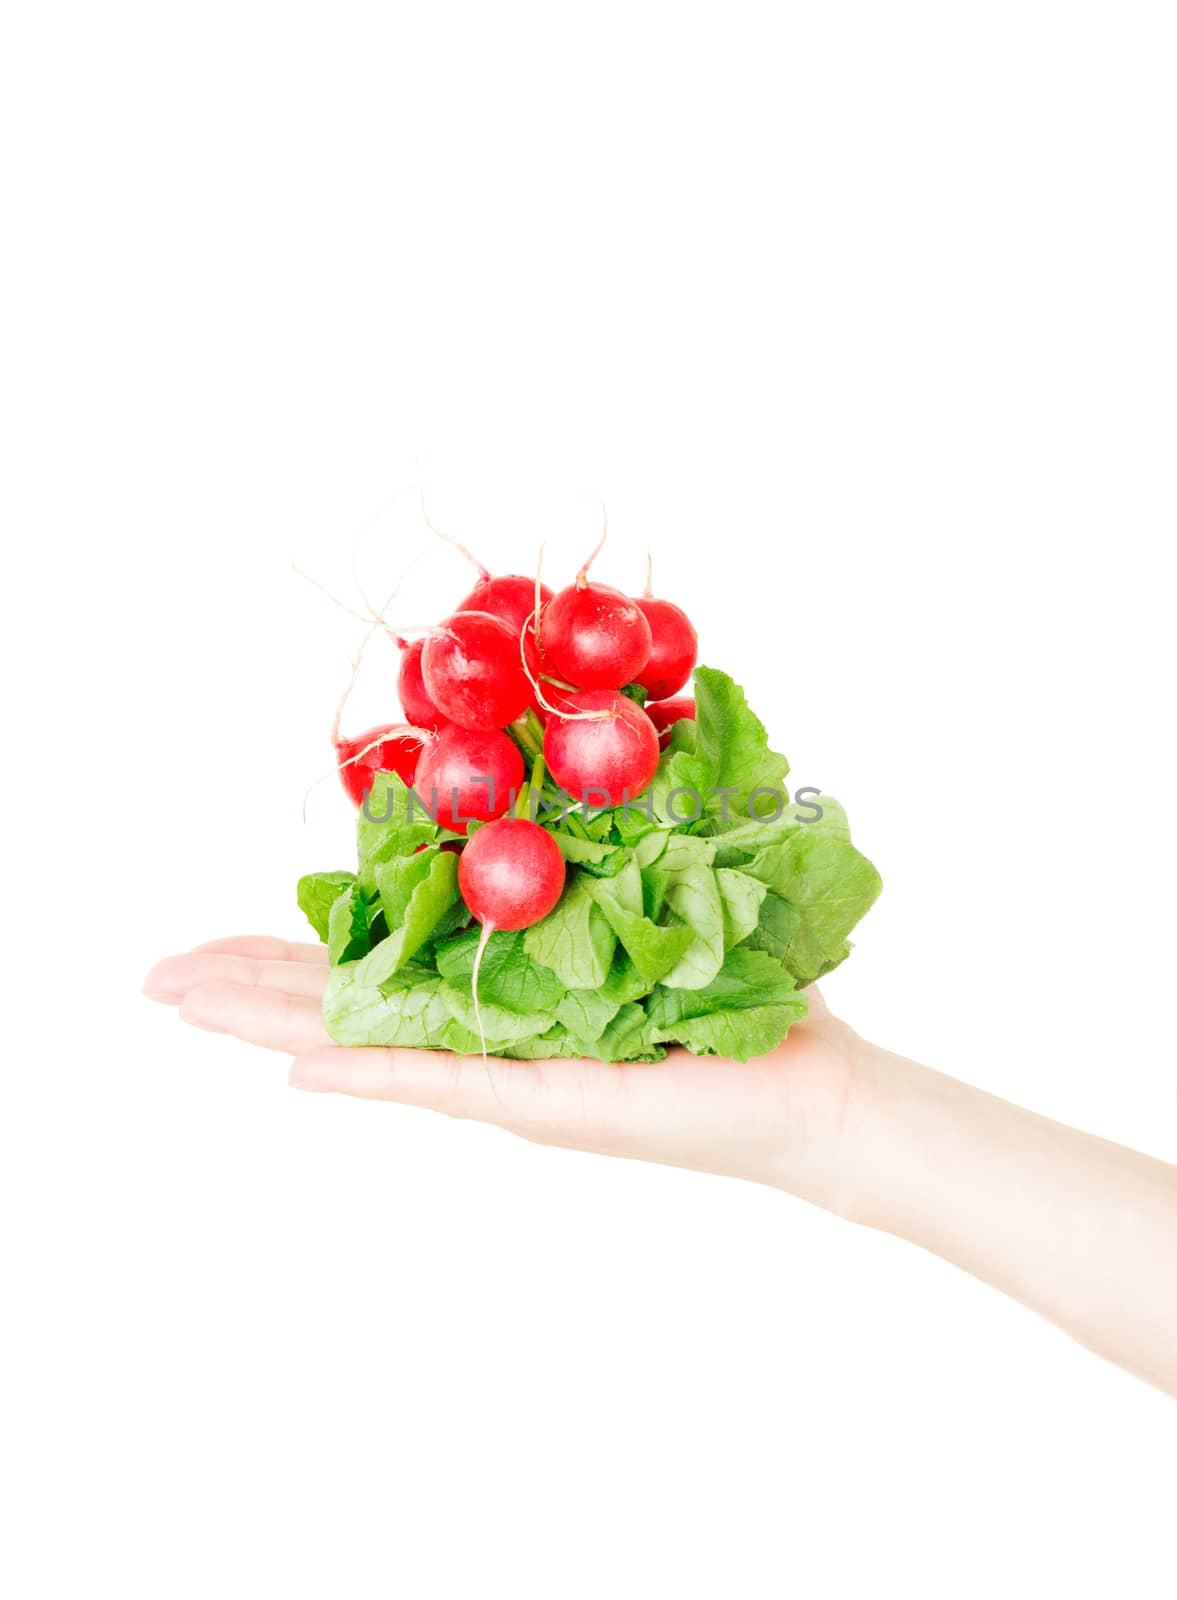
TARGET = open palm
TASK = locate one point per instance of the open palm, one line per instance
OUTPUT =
(784, 1118)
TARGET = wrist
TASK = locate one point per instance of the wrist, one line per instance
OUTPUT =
(896, 1129)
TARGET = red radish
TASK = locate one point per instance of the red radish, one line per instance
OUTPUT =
(388, 749)
(468, 776)
(665, 713)
(511, 873)
(594, 636)
(673, 652)
(415, 699)
(511, 598)
(603, 758)
(473, 672)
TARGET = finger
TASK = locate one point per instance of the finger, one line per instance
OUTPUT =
(548, 1101)
(171, 980)
(261, 948)
(276, 1021)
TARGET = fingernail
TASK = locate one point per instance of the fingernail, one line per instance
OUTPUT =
(163, 997)
(311, 1087)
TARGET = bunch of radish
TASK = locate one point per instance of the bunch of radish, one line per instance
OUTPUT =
(519, 671)
(527, 880)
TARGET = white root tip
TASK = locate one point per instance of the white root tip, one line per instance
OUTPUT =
(535, 615)
(334, 599)
(446, 538)
(351, 682)
(582, 575)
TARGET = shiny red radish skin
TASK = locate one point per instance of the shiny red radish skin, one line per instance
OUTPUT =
(398, 750)
(415, 699)
(473, 672)
(673, 651)
(468, 776)
(510, 598)
(595, 637)
(606, 759)
(511, 874)
(665, 713)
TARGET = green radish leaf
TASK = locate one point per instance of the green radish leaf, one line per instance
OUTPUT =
(740, 842)
(317, 893)
(683, 735)
(400, 827)
(596, 856)
(556, 1042)
(499, 1025)
(742, 898)
(455, 920)
(654, 950)
(632, 823)
(593, 825)
(650, 847)
(732, 739)
(629, 1037)
(396, 880)
(579, 850)
(680, 794)
(680, 852)
(574, 940)
(745, 1011)
(783, 933)
(624, 983)
(430, 899)
(821, 887)
(407, 1010)
(508, 976)
(585, 1013)
(623, 892)
(348, 938)
(694, 899)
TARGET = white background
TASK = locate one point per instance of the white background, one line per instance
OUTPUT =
(862, 317)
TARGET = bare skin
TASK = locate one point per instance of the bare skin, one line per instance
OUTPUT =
(1081, 1230)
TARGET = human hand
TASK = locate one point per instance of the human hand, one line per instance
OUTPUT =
(1077, 1228)
(796, 1118)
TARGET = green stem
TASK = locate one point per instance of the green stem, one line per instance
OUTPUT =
(528, 733)
(534, 785)
(576, 825)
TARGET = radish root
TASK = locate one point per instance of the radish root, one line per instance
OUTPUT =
(447, 538)
(483, 941)
(423, 734)
(582, 575)
(541, 699)
(351, 682)
(334, 599)
(536, 614)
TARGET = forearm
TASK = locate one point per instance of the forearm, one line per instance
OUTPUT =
(1079, 1229)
